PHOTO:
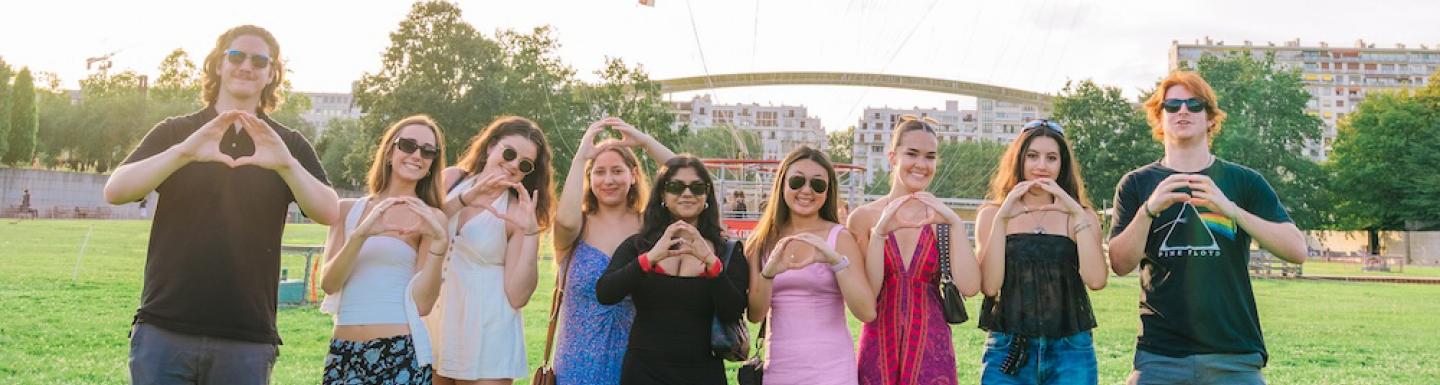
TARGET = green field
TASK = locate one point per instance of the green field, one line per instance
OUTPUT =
(63, 332)
(1354, 269)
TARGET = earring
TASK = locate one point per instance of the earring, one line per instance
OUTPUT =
(707, 205)
(662, 204)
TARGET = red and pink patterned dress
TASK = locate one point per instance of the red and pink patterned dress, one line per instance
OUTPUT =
(909, 342)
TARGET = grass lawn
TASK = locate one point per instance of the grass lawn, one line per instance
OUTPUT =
(1353, 269)
(63, 332)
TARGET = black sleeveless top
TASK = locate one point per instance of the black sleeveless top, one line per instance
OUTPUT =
(1043, 295)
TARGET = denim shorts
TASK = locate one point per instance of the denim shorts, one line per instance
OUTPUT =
(1198, 369)
(1055, 361)
(162, 357)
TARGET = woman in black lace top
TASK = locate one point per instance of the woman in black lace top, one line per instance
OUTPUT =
(1039, 251)
(680, 278)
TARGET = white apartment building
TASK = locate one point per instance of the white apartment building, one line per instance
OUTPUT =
(992, 121)
(325, 106)
(780, 128)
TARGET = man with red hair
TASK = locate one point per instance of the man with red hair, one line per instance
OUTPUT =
(1187, 221)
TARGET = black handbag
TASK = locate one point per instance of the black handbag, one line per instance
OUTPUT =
(950, 298)
(753, 371)
(729, 340)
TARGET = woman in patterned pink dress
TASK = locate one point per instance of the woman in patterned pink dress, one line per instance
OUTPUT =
(909, 341)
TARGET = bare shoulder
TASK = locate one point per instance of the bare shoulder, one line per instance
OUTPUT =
(865, 215)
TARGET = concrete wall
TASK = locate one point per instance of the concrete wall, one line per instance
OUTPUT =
(1422, 247)
(67, 190)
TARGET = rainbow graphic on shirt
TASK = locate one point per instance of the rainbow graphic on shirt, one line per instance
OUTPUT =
(1219, 224)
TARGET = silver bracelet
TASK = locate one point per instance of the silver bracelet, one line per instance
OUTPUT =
(1079, 227)
(843, 263)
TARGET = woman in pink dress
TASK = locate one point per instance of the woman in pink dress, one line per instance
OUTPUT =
(802, 277)
(909, 341)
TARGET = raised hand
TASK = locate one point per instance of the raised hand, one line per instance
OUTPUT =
(778, 261)
(823, 252)
(270, 150)
(587, 148)
(661, 250)
(1206, 194)
(487, 188)
(629, 135)
(1166, 194)
(522, 214)
(889, 217)
(204, 144)
(1012, 207)
(938, 212)
(430, 225)
(374, 223)
(1063, 202)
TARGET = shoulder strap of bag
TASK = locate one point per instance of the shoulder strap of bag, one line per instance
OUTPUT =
(558, 295)
(942, 236)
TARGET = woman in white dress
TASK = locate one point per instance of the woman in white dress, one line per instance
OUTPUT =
(499, 199)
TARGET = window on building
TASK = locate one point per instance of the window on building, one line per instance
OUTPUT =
(767, 118)
(876, 137)
(875, 148)
(724, 117)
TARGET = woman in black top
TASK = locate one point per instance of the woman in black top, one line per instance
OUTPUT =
(1039, 251)
(677, 273)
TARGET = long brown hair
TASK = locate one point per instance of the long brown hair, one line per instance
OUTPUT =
(777, 212)
(635, 198)
(270, 96)
(1012, 167)
(380, 169)
(541, 179)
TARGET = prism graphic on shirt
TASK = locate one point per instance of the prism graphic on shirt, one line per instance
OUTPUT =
(1192, 233)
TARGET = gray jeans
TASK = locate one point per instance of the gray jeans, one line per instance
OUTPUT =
(1199, 369)
(163, 357)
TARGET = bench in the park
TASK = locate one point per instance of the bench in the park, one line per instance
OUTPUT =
(294, 291)
(1262, 264)
(15, 211)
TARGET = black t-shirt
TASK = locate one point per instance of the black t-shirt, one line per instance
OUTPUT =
(213, 264)
(1195, 293)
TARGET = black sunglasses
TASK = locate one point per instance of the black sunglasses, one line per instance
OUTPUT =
(408, 146)
(258, 61)
(1192, 104)
(697, 188)
(818, 185)
(1046, 123)
(525, 166)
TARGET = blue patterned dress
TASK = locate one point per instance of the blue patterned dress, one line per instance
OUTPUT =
(592, 337)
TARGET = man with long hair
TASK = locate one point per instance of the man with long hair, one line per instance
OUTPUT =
(226, 176)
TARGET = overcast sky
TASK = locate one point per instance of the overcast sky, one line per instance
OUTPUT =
(1034, 45)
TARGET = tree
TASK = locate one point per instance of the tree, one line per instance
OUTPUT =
(5, 74)
(717, 142)
(345, 152)
(964, 170)
(1108, 134)
(1383, 161)
(842, 144)
(1268, 128)
(24, 121)
(179, 79)
(437, 64)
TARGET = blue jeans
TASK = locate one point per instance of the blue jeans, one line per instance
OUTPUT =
(1198, 369)
(163, 357)
(1065, 360)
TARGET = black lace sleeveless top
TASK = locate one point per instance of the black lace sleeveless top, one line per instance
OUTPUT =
(1043, 295)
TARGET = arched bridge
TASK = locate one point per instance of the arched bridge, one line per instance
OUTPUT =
(986, 91)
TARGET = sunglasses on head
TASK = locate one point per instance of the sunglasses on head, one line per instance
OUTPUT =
(929, 122)
(1192, 104)
(408, 146)
(818, 185)
(698, 187)
(258, 61)
(525, 166)
(1046, 123)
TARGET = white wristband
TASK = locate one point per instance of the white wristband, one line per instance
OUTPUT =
(843, 263)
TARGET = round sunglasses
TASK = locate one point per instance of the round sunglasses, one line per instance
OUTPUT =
(818, 185)
(259, 61)
(408, 146)
(697, 188)
(525, 166)
(1192, 104)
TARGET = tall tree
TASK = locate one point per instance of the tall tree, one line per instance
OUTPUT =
(5, 74)
(345, 150)
(1109, 136)
(1267, 129)
(179, 79)
(842, 144)
(1383, 161)
(24, 121)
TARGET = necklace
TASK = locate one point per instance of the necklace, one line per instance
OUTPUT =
(1039, 222)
